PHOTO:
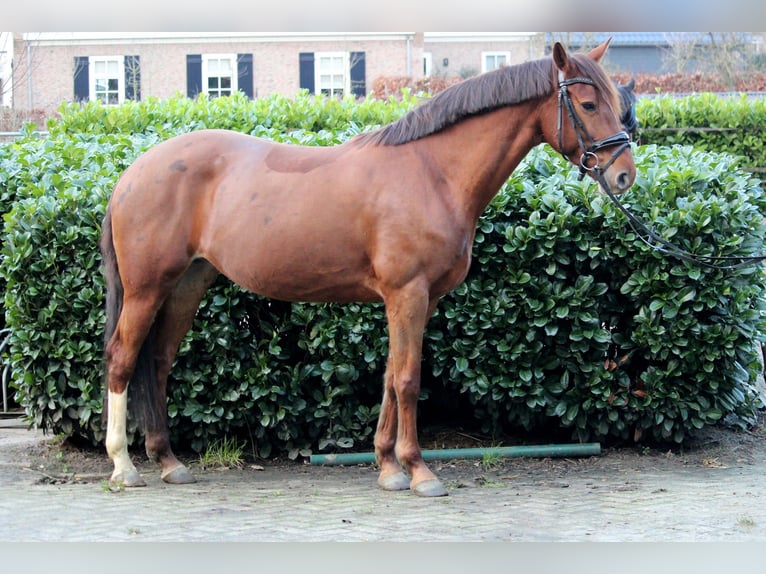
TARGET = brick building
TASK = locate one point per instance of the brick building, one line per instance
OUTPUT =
(51, 68)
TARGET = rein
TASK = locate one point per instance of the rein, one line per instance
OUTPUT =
(589, 163)
(653, 240)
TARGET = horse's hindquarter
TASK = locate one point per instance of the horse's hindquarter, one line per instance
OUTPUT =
(295, 223)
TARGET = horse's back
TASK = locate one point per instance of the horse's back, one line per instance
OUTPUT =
(198, 151)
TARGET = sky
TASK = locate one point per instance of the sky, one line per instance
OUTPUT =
(386, 15)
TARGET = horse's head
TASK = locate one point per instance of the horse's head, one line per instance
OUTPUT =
(628, 108)
(586, 127)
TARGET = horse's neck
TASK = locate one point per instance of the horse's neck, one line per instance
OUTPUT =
(478, 155)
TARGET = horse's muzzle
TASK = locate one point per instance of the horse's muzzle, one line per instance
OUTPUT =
(617, 179)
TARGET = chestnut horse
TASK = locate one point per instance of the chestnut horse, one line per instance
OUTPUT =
(386, 216)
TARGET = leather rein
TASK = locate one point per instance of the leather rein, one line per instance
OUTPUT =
(589, 162)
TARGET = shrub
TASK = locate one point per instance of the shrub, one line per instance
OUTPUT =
(566, 318)
(566, 289)
(270, 117)
(709, 122)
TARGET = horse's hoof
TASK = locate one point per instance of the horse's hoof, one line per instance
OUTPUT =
(431, 487)
(398, 481)
(179, 475)
(129, 479)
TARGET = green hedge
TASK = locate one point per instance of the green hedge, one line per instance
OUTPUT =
(565, 285)
(559, 286)
(709, 122)
(273, 116)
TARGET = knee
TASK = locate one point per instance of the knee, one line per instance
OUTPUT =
(407, 389)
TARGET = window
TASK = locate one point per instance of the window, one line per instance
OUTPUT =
(219, 74)
(331, 74)
(107, 79)
(494, 60)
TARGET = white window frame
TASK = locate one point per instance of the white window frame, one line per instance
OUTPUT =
(494, 56)
(207, 73)
(96, 79)
(428, 63)
(334, 88)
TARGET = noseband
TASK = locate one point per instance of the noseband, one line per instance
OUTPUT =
(588, 159)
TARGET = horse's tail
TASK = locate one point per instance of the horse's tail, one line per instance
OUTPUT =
(112, 279)
(143, 397)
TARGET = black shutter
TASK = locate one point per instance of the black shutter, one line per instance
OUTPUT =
(81, 79)
(245, 74)
(357, 71)
(193, 74)
(307, 71)
(132, 78)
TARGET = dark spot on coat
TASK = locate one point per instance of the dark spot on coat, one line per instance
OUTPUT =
(124, 194)
(178, 165)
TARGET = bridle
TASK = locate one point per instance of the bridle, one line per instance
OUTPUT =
(588, 159)
(589, 163)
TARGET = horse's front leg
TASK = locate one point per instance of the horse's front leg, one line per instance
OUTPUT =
(408, 311)
(391, 475)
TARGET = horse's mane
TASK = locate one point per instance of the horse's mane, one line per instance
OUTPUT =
(505, 86)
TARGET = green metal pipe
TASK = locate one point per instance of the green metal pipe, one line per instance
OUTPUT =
(539, 451)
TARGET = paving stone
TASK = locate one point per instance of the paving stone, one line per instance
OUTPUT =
(721, 504)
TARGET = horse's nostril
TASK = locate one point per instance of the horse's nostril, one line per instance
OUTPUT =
(623, 180)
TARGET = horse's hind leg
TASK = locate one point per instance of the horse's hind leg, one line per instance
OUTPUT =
(174, 320)
(122, 352)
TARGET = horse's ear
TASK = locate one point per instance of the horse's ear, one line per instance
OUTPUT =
(560, 56)
(632, 84)
(598, 52)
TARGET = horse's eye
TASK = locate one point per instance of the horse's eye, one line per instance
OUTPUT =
(589, 106)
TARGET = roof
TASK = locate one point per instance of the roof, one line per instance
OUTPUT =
(633, 38)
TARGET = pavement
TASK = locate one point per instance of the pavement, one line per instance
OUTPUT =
(596, 503)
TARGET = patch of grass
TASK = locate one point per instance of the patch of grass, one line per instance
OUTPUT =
(485, 482)
(489, 459)
(107, 486)
(223, 453)
(60, 460)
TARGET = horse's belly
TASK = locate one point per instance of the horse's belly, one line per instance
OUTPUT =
(309, 273)
(310, 287)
